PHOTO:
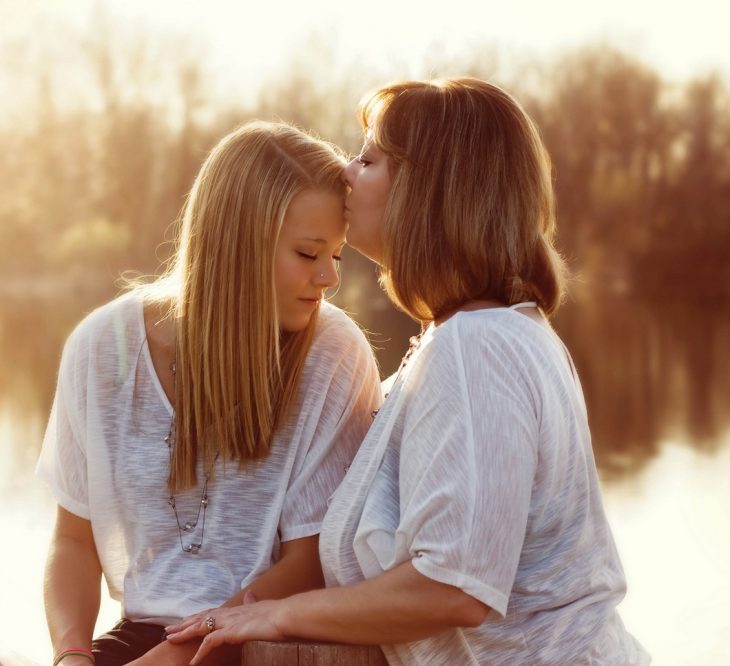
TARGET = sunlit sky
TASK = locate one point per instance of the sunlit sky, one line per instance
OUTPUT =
(244, 43)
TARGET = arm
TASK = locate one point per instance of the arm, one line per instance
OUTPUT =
(72, 585)
(398, 606)
(297, 570)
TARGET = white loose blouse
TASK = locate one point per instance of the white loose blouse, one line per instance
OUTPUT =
(479, 470)
(105, 458)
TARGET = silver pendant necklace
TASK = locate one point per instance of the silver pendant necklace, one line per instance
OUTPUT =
(186, 528)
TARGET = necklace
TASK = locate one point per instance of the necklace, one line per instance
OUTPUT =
(413, 343)
(186, 528)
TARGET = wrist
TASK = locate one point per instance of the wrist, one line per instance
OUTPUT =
(71, 656)
(282, 616)
(73, 638)
(75, 660)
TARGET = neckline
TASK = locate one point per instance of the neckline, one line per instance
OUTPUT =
(145, 351)
(523, 304)
(514, 307)
(504, 309)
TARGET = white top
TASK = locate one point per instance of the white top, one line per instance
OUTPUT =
(479, 470)
(105, 459)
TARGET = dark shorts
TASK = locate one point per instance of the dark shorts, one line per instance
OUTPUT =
(126, 642)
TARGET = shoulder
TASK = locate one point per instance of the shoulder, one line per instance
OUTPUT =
(479, 346)
(485, 334)
(498, 326)
(340, 360)
(332, 319)
(338, 335)
(107, 327)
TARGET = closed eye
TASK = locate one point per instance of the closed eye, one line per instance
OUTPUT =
(304, 255)
(362, 161)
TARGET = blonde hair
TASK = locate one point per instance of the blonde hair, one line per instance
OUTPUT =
(471, 213)
(237, 374)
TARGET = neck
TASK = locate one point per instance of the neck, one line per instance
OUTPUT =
(160, 330)
(160, 327)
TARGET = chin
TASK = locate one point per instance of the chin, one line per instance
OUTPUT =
(369, 252)
(367, 245)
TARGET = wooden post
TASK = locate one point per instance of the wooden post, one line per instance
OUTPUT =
(264, 653)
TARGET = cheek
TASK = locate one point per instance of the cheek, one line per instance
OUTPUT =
(365, 235)
(291, 275)
(379, 184)
(371, 215)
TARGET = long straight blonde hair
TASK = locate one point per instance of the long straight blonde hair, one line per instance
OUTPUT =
(237, 373)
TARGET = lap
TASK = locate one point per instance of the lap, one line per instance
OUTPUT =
(125, 642)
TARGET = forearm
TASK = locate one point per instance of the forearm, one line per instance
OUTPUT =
(399, 606)
(71, 593)
(297, 571)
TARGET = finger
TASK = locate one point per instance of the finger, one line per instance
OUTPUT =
(178, 636)
(193, 630)
(210, 642)
(183, 624)
(187, 621)
(249, 598)
(175, 629)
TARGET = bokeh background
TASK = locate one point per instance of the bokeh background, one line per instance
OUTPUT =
(108, 109)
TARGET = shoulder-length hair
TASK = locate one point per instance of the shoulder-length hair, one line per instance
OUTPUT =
(471, 212)
(237, 373)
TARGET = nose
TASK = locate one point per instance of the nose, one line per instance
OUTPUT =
(348, 172)
(327, 276)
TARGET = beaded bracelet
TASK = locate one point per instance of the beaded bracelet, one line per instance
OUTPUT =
(81, 652)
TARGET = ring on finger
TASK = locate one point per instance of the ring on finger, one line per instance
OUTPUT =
(210, 623)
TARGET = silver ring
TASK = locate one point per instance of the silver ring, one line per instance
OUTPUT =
(210, 623)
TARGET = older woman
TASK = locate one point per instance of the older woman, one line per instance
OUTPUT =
(469, 529)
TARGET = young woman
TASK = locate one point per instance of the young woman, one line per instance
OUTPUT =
(201, 423)
(469, 529)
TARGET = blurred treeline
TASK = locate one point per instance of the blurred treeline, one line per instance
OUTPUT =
(642, 175)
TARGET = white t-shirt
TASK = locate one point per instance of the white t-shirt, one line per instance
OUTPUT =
(105, 458)
(479, 470)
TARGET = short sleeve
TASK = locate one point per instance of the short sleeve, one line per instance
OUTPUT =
(468, 460)
(342, 391)
(62, 461)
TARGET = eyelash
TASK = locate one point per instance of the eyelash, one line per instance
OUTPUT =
(362, 161)
(312, 257)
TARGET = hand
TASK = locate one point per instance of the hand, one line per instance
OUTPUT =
(252, 621)
(190, 619)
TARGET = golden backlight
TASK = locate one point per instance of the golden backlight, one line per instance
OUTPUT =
(109, 108)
